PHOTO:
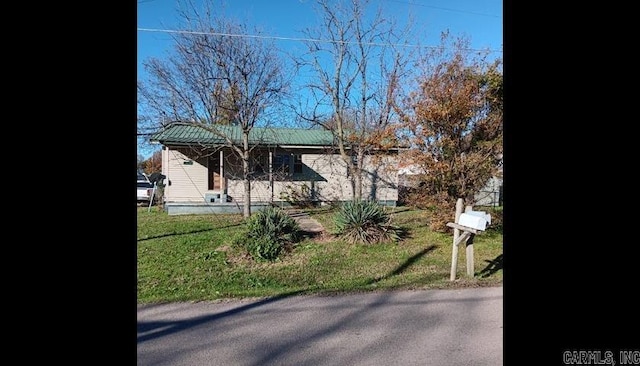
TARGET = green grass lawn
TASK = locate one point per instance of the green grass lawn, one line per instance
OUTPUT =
(191, 258)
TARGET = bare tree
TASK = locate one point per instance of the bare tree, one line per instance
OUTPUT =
(217, 77)
(357, 64)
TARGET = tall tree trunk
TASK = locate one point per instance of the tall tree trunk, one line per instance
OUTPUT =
(246, 213)
(358, 174)
(357, 183)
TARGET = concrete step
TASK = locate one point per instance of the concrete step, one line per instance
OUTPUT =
(306, 222)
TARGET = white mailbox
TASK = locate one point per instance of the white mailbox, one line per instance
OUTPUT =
(475, 219)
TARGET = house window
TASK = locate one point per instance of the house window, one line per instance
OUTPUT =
(281, 164)
(297, 164)
(260, 164)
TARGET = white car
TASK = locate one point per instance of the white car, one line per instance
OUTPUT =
(145, 192)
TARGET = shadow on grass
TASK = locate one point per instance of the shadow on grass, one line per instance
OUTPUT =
(189, 232)
(494, 266)
(406, 264)
(156, 329)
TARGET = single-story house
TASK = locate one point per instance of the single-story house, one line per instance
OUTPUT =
(204, 174)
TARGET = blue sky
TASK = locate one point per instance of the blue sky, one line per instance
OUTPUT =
(480, 20)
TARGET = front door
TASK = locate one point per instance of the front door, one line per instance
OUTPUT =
(215, 181)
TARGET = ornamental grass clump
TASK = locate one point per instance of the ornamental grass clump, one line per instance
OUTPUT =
(365, 222)
(269, 231)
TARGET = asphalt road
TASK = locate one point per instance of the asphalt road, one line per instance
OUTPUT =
(422, 327)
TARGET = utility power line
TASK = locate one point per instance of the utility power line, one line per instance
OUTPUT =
(295, 39)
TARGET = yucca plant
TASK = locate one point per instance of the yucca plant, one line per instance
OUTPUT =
(268, 231)
(365, 222)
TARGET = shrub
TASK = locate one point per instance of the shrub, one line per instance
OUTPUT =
(365, 222)
(268, 232)
(264, 248)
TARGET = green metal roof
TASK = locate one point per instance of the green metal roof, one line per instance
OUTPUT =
(178, 133)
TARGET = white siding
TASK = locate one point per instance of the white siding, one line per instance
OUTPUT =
(335, 184)
(326, 173)
(188, 182)
(260, 190)
(381, 179)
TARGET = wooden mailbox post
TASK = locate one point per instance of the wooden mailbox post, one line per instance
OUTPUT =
(465, 227)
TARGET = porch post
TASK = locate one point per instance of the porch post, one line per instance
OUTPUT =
(223, 183)
(271, 174)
